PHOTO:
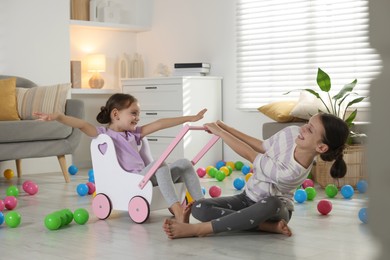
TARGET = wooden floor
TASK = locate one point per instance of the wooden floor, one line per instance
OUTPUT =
(339, 235)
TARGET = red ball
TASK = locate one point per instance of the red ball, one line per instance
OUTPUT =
(215, 191)
(31, 188)
(91, 187)
(201, 172)
(307, 183)
(10, 202)
(324, 207)
(2, 205)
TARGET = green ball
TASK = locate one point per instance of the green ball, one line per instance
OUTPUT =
(81, 216)
(13, 219)
(69, 216)
(310, 176)
(61, 216)
(52, 221)
(238, 165)
(12, 191)
(213, 172)
(220, 175)
(331, 190)
(311, 193)
(230, 169)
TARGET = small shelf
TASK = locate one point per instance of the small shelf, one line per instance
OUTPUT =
(89, 91)
(107, 26)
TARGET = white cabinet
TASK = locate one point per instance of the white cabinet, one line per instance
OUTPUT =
(179, 96)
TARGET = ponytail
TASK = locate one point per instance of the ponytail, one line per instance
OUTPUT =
(339, 167)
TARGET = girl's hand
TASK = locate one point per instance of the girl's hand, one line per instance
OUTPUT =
(45, 117)
(198, 116)
(213, 128)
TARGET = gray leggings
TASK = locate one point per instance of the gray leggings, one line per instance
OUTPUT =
(238, 212)
(167, 175)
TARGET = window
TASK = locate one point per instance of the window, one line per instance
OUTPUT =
(282, 43)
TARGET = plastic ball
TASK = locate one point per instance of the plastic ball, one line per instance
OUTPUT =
(201, 172)
(73, 170)
(245, 169)
(238, 165)
(90, 173)
(324, 207)
(212, 172)
(1, 218)
(9, 174)
(220, 175)
(215, 191)
(52, 221)
(82, 189)
(362, 186)
(208, 168)
(300, 195)
(307, 183)
(219, 164)
(80, 216)
(68, 215)
(12, 191)
(25, 184)
(225, 170)
(331, 190)
(347, 191)
(31, 188)
(311, 193)
(230, 164)
(204, 190)
(91, 187)
(10, 202)
(189, 197)
(248, 176)
(13, 219)
(230, 169)
(363, 215)
(2, 205)
(239, 183)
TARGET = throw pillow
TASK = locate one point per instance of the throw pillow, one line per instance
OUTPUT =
(279, 111)
(8, 109)
(45, 99)
(307, 106)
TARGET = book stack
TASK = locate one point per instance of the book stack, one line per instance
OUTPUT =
(191, 69)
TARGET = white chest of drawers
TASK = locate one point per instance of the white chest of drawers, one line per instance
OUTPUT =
(179, 96)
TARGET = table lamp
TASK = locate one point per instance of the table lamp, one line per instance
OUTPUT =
(96, 64)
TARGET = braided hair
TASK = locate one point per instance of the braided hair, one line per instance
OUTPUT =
(335, 136)
(119, 101)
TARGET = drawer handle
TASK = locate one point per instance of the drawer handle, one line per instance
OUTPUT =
(152, 139)
(151, 113)
(150, 87)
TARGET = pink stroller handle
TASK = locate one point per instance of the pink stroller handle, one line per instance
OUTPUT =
(172, 146)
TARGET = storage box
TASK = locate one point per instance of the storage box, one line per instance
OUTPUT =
(356, 159)
(79, 10)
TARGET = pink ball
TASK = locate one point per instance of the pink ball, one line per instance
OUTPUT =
(31, 188)
(201, 172)
(324, 207)
(25, 184)
(91, 187)
(215, 191)
(307, 183)
(2, 205)
(10, 202)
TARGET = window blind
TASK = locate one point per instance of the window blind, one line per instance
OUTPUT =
(282, 43)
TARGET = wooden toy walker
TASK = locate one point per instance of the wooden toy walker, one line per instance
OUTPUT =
(121, 190)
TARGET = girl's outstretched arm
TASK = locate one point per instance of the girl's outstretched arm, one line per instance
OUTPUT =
(74, 122)
(240, 147)
(170, 122)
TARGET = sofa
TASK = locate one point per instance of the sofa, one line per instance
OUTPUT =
(25, 137)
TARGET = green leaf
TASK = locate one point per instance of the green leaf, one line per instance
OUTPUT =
(347, 88)
(356, 100)
(323, 80)
(351, 117)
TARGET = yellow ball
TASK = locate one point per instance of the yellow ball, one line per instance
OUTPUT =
(8, 174)
(189, 198)
(231, 164)
(225, 170)
(248, 176)
(208, 168)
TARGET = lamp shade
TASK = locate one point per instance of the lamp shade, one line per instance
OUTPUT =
(96, 62)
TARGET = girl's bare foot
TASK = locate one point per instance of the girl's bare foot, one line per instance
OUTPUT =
(175, 229)
(279, 227)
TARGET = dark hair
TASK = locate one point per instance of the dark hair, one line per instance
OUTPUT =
(335, 136)
(119, 101)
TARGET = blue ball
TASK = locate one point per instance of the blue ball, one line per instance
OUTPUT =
(300, 195)
(245, 169)
(362, 186)
(219, 164)
(90, 173)
(363, 215)
(82, 189)
(204, 190)
(1, 218)
(347, 191)
(72, 170)
(239, 183)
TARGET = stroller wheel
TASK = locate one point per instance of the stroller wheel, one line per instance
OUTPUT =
(101, 206)
(139, 209)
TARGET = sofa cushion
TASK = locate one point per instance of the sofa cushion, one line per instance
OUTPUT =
(8, 109)
(279, 111)
(45, 99)
(32, 130)
(307, 106)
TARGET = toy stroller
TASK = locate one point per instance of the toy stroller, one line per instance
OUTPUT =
(121, 190)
